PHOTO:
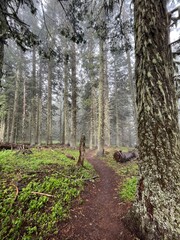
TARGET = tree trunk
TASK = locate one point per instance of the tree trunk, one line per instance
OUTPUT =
(15, 108)
(117, 117)
(8, 125)
(93, 106)
(3, 29)
(34, 100)
(81, 151)
(130, 72)
(2, 129)
(101, 102)
(39, 112)
(65, 103)
(23, 130)
(132, 90)
(156, 208)
(49, 103)
(106, 99)
(74, 96)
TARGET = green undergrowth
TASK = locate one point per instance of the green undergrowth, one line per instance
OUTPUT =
(127, 171)
(128, 189)
(36, 191)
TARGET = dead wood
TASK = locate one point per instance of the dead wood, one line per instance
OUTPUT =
(17, 191)
(12, 146)
(81, 151)
(70, 157)
(119, 156)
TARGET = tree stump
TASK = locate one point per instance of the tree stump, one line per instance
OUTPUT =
(81, 151)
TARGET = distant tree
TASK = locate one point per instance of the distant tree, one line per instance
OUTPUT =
(15, 107)
(74, 95)
(65, 94)
(33, 109)
(13, 27)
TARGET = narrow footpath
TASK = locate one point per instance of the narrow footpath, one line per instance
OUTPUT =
(99, 217)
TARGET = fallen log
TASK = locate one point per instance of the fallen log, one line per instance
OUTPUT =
(12, 146)
(121, 157)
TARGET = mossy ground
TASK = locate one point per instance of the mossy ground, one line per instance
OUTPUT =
(36, 191)
(128, 172)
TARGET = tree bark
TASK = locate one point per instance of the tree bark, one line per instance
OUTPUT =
(156, 209)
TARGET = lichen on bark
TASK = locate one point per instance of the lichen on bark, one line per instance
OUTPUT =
(156, 208)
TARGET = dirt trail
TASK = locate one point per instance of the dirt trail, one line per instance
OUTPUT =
(100, 215)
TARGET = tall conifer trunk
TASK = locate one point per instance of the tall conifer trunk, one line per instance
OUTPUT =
(74, 96)
(49, 103)
(15, 108)
(33, 100)
(39, 110)
(3, 29)
(118, 132)
(106, 99)
(156, 209)
(65, 102)
(101, 103)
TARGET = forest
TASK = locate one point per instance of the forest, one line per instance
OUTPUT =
(82, 85)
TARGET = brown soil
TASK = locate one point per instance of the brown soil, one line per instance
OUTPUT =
(100, 215)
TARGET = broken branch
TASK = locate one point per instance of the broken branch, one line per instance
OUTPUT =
(43, 194)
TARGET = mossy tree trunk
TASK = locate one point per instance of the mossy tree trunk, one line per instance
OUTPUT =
(156, 209)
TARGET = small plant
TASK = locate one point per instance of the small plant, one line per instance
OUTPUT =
(128, 189)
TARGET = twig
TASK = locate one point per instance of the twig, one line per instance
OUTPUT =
(43, 194)
(178, 40)
(87, 179)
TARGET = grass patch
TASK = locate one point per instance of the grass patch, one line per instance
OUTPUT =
(36, 191)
